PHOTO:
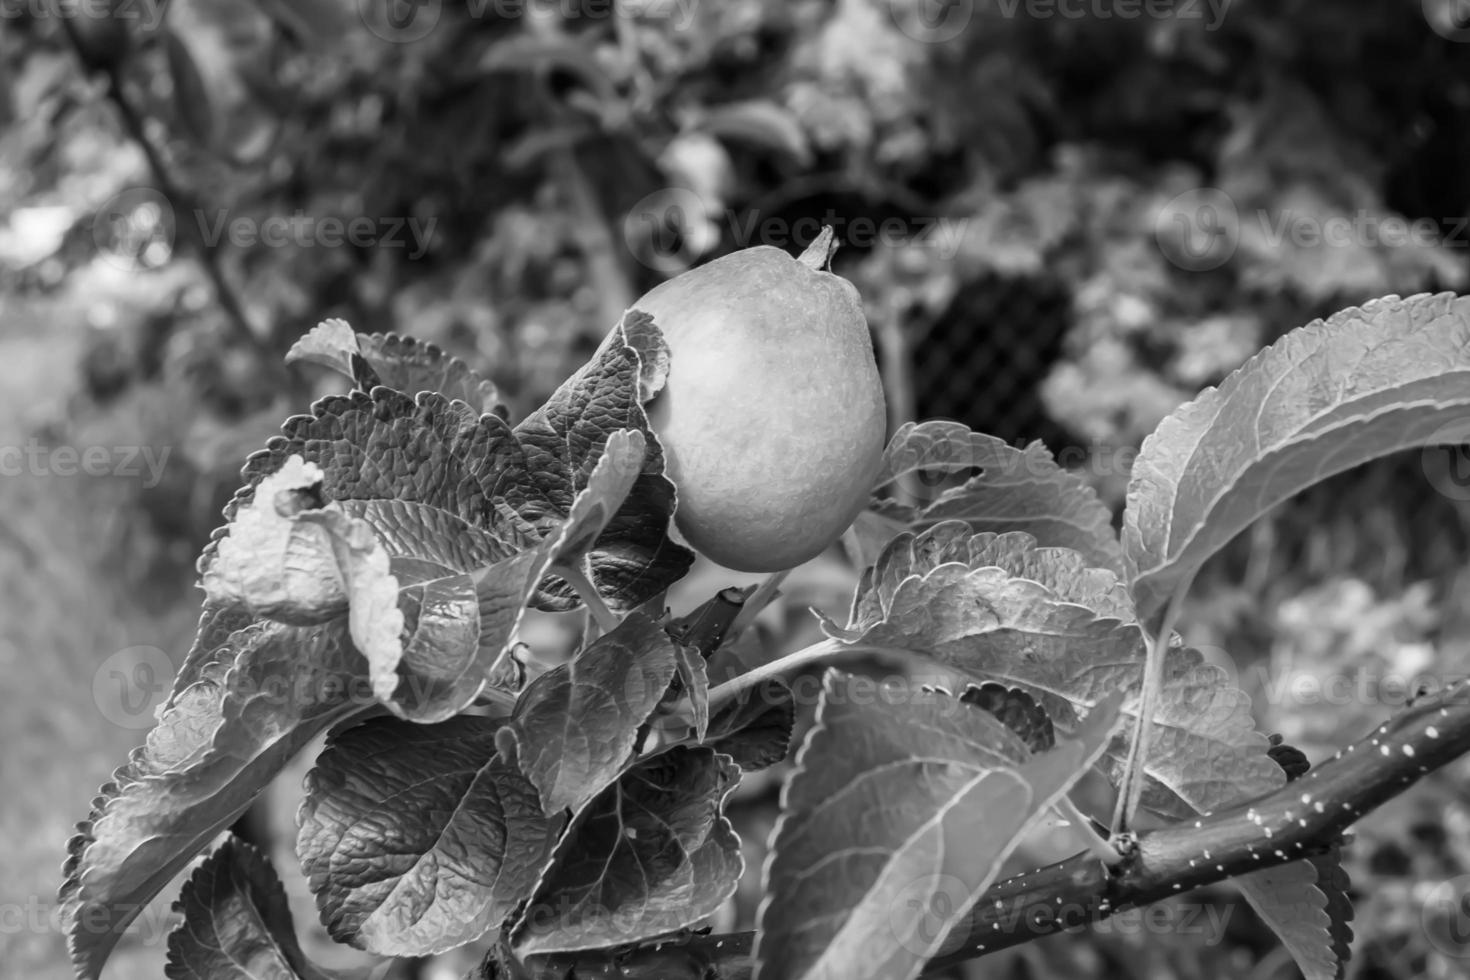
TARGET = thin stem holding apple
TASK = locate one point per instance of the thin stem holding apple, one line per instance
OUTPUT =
(757, 601)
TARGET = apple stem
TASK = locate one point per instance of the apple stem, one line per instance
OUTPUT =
(818, 255)
(764, 593)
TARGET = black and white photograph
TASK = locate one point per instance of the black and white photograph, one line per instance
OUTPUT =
(735, 489)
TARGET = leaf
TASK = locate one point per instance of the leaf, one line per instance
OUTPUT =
(414, 365)
(218, 620)
(456, 490)
(1333, 882)
(402, 363)
(1069, 652)
(289, 559)
(575, 726)
(755, 728)
(237, 924)
(470, 535)
(1390, 375)
(1062, 571)
(895, 820)
(455, 628)
(616, 470)
(334, 344)
(1015, 709)
(464, 625)
(1015, 490)
(268, 690)
(422, 471)
(192, 103)
(417, 839)
(694, 685)
(703, 630)
(1306, 904)
(651, 855)
(452, 499)
(634, 560)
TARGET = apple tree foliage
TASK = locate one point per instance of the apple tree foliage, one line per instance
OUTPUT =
(384, 547)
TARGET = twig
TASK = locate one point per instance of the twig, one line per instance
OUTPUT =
(183, 203)
(614, 292)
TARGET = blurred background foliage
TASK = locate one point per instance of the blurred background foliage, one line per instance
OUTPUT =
(529, 169)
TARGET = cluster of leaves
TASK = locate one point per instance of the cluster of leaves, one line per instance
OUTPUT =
(384, 548)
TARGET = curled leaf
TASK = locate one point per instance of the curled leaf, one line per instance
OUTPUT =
(294, 560)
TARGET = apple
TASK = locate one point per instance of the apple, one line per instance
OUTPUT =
(772, 419)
